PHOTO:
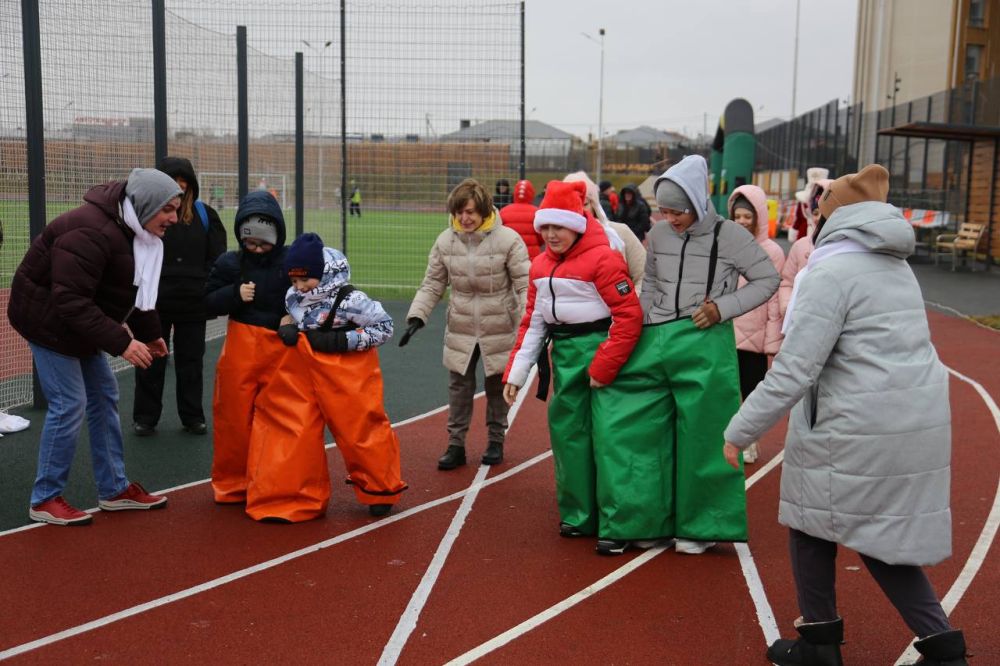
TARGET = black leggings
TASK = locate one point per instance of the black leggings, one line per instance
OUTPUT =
(753, 367)
(814, 567)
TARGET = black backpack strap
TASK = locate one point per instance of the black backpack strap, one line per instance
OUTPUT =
(343, 293)
(713, 259)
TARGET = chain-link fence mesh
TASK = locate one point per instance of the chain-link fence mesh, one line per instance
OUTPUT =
(432, 96)
(930, 174)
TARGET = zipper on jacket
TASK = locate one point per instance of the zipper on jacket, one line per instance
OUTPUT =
(552, 291)
(680, 276)
(813, 406)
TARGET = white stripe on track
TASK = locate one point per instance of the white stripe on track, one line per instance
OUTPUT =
(986, 537)
(191, 484)
(408, 620)
(765, 617)
(554, 611)
(263, 566)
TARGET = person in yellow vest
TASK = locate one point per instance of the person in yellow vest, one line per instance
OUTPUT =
(355, 200)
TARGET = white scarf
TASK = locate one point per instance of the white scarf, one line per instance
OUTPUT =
(825, 251)
(147, 250)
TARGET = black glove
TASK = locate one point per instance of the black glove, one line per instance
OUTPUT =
(327, 342)
(412, 326)
(289, 334)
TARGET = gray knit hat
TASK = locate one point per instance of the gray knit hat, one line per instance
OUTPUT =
(260, 227)
(670, 195)
(150, 190)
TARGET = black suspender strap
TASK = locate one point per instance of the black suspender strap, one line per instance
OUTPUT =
(343, 293)
(713, 259)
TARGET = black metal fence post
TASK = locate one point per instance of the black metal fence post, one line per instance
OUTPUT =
(242, 112)
(159, 81)
(521, 163)
(35, 137)
(300, 204)
(343, 127)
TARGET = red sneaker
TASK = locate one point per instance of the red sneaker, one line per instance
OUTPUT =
(133, 497)
(59, 512)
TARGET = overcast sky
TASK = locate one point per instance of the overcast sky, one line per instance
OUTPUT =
(668, 62)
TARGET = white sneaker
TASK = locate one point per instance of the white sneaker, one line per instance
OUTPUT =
(12, 423)
(646, 544)
(692, 547)
(751, 453)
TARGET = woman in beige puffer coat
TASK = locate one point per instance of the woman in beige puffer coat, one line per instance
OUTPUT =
(486, 266)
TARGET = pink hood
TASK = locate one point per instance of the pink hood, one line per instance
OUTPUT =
(759, 330)
(758, 200)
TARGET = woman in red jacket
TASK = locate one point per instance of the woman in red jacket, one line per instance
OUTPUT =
(581, 297)
(520, 216)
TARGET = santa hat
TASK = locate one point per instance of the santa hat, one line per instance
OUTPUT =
(563, 206)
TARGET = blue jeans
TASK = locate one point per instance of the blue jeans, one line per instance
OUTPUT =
(78, 387)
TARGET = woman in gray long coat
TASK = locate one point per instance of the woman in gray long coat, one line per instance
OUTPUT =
(868, 451)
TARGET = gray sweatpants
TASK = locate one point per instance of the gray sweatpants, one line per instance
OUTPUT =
(461, 390)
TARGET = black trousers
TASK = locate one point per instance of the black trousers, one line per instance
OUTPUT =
(188, 345)
(814, 566)
(753, 367)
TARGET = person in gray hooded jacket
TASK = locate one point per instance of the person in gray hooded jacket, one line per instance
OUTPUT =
(681, 383)
(857, 348)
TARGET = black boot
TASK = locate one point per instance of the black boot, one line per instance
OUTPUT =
(494, 454)
(819, 645)
(452, 458)
(944, 649)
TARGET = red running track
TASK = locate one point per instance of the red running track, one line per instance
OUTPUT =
(342, 599)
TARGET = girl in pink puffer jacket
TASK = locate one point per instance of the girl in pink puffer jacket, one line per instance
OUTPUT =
(799, 253)
(758, 332)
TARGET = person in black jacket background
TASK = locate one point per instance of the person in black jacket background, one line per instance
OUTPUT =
(190, 247)
(634, 211)
(249, 286)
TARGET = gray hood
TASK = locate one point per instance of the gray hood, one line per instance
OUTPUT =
(691, 174)
(876, 225)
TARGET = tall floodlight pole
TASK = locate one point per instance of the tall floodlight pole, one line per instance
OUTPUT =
(319, 146)
(600, 116)
(795, 58)
(600, 107)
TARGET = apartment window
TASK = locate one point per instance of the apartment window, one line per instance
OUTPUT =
(973, 61)
(977, 10)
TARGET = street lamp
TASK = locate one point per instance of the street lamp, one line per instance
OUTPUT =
(319, 146)
(600, 107)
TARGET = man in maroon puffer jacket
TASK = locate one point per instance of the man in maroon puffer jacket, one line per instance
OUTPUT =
(93, 271)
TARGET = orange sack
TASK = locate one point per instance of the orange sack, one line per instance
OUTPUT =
(249, 356)
(288, 469)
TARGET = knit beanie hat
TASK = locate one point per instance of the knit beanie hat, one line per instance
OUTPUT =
(671, 195)
(744, 203)
(150, 190)
(604, 185)
(869, 184)
(305, 257)
(260, 227)
(563, 206)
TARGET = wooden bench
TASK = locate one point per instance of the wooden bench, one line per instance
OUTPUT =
(960, 244)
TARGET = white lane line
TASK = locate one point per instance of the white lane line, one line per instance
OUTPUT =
(269, 564)
(765, 617)
(263, 566)
(986, 537)
(554, 611)
(964, 316)
(192, 484)
(408, 620)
